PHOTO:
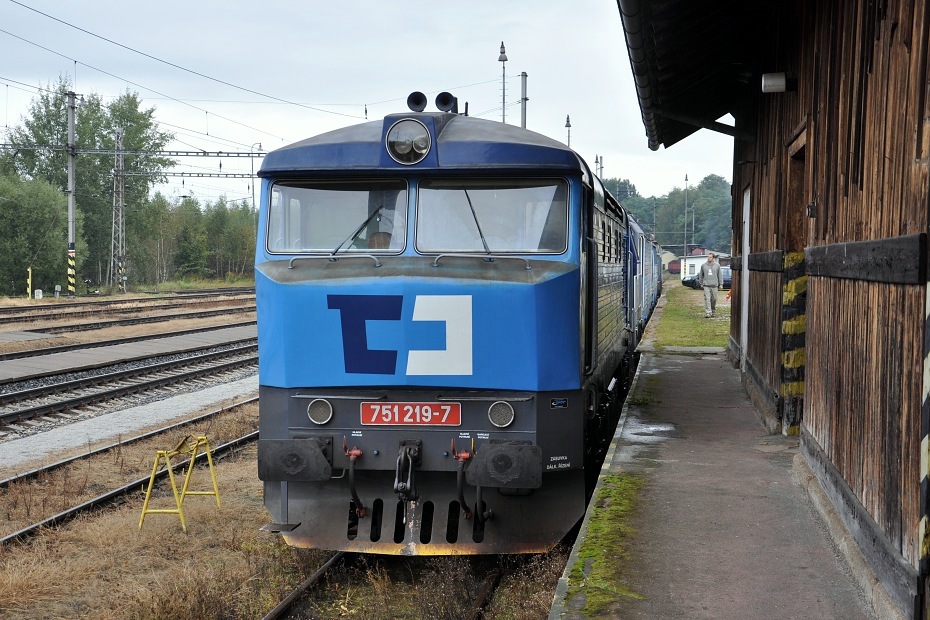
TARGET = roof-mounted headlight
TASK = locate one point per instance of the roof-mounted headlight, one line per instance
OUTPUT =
(408, 141)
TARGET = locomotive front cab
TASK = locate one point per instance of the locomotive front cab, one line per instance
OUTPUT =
(419, 338)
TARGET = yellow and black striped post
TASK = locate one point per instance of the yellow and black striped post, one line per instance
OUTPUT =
(924, 533)
(793, 338)
(71, 270)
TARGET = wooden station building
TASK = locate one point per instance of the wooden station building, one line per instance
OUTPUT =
(830, 330)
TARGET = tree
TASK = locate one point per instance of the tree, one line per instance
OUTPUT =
(153, 240)
(708, 212)
(39, 154)
(713, 214)
(240, 238)
(230, 231)
(190, 259)
(34, 221)
(644, 210)
(216, 220)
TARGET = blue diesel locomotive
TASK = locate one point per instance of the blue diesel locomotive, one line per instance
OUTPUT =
(448, 310)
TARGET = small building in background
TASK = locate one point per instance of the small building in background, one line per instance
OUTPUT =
(691, 264)
(667, 258)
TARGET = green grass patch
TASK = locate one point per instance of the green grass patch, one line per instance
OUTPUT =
(682, 323)
(192, 283)
(647, 390)
(599, 572)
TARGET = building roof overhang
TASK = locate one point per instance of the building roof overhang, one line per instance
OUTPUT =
(694, 61)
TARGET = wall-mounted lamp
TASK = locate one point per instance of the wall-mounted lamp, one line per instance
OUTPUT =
(778, 83)
(812, 210)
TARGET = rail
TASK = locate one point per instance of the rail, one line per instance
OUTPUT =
(282, 607)
(111, 496)
(123, 390)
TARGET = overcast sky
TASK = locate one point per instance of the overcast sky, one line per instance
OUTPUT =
(332, 59)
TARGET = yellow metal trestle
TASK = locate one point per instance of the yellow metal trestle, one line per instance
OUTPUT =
(190, 446)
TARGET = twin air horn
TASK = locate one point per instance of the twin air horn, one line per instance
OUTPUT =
(444, 101)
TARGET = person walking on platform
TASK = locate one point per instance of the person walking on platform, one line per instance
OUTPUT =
(710, 280)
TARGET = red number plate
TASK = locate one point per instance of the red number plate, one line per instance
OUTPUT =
(441, 414)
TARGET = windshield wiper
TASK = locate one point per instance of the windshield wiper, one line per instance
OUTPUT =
(361, 227)
(475, 216)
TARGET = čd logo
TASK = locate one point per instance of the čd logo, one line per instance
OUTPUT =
(452, 310)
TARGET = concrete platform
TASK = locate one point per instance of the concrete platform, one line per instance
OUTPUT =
(22, 454)
(82, 359)
(725, 525)
(25, 336)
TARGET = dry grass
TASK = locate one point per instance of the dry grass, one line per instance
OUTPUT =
(103, 566)
(387, 588)
(526, 593)
(25, 502)
(51, 320)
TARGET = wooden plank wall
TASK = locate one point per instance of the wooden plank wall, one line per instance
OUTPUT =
(866, 414)
(764, 350)
(863, 99)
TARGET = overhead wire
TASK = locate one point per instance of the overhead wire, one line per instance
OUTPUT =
(152, 90)
(201, 135)
(206, 136)
(186, 102)
(224, 82)
(176, 66)
(4, 80)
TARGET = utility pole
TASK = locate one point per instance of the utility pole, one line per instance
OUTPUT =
(71, 154)
(523, 100)
(685, 253)
(252, 181)
(503, 60)
(118, 231)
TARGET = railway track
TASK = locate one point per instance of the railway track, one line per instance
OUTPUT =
(48, 467)
(115, 495)
(116, 341)
(124, 301)
(71, 395)
(158, 318)
(285, 605)
(54, 313)
(474, 607)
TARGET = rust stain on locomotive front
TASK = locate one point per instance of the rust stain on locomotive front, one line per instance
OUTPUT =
(420, 549)
(322, 538)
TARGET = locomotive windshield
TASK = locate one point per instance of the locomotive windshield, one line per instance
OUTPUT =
(492, 215)
(365, 216)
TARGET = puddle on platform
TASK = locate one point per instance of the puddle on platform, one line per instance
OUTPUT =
(635, 430)
(771, 444)
(638, 447)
